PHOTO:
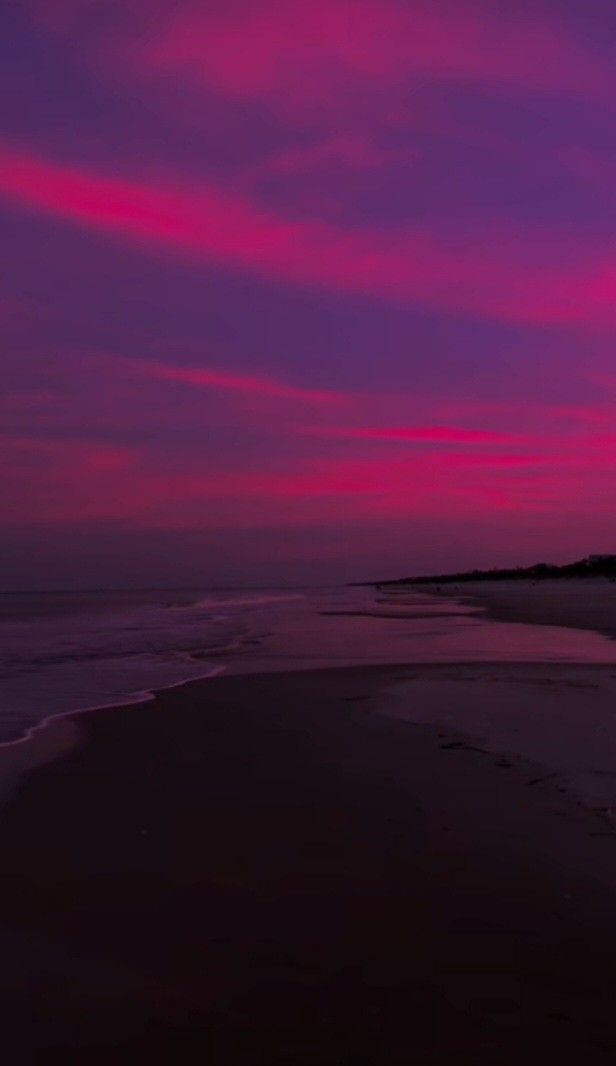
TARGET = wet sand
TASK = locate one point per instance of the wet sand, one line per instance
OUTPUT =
(582, 604)
(259, 870)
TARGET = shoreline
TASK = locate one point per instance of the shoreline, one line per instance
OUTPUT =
(478, 599)
(142, 696)
(39, 745)
(275, 867)
(56, 734)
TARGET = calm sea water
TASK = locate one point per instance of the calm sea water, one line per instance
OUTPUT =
(64, 651)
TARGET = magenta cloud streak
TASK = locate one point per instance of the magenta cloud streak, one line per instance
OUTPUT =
(498, 275)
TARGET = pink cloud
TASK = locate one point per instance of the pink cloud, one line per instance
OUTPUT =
(353, 151)
(28, 452)
(297, 55)
(28, 402)
(554, 420)
(75, 481)
(51, 480)
(292, 54)
(594, 169)
(118, 368)
(221, 380)
(497, 274)
(420, 434)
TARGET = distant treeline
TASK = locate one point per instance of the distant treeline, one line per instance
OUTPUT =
(600, 566)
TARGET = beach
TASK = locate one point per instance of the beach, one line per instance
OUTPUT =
(291, 867)
(583, 604)
(307, 533)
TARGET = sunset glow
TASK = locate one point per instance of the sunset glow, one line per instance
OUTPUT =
(338, 277)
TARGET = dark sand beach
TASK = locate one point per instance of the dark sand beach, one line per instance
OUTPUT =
(256, 870)
(583, 604)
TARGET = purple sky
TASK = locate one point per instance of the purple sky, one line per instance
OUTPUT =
(305, 291)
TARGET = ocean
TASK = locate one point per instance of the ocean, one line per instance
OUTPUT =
(68, 651)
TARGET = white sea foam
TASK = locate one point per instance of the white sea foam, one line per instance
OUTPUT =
(253, 600)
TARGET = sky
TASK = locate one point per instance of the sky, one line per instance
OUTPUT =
(305, 292)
